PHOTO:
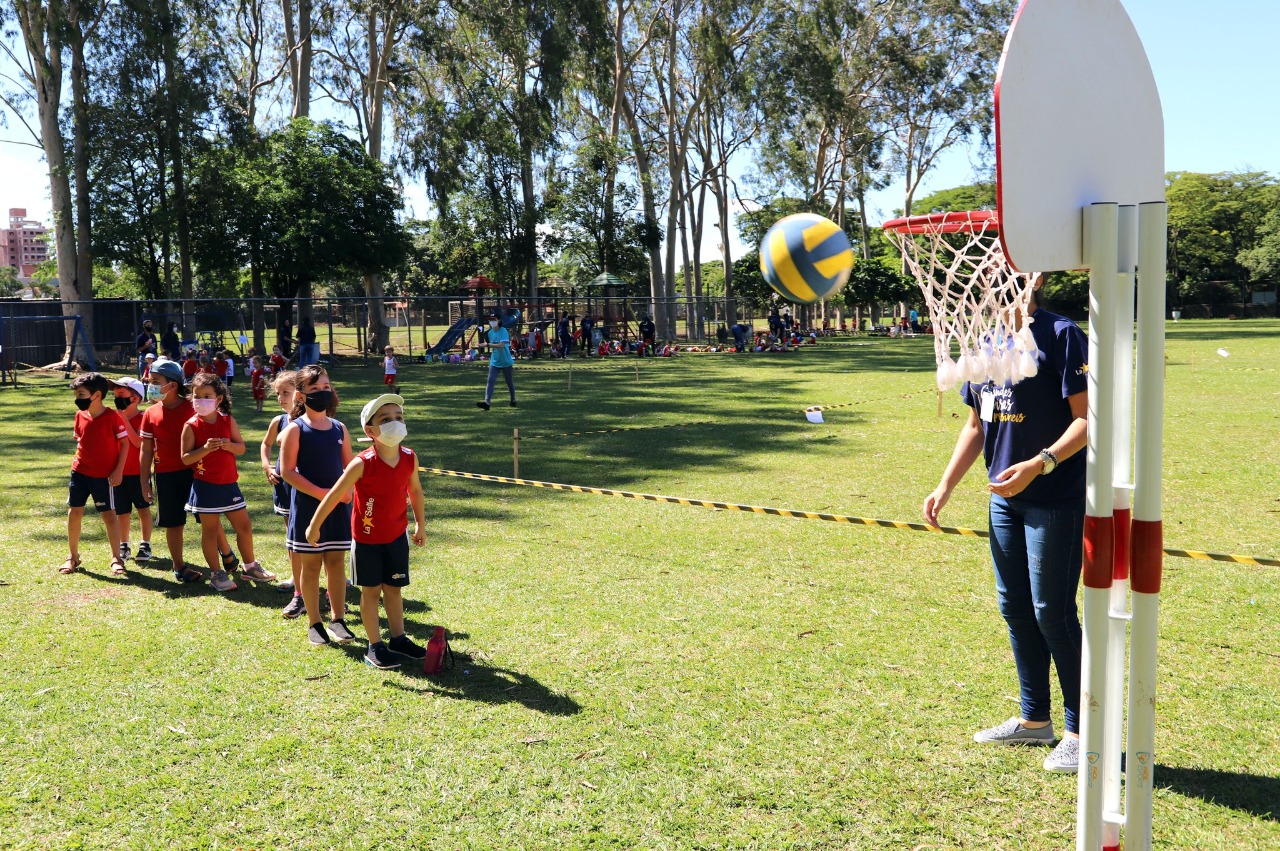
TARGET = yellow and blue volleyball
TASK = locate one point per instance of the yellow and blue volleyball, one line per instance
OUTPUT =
(806, 258)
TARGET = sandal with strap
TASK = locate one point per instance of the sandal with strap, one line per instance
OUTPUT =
(117, 568)
(229, 561)
(71, 565)
(189, 574)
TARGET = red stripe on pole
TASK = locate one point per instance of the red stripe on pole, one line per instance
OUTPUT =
(1148, 555)
(1121, 569)
(1099, 549)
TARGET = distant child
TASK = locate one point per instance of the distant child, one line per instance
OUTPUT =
(282, 494)
(101, 446)
(277, 360)
(384, 478)
(205, 365)
(257, 382)
(147, 360)
(190, 366)
(389, 369)
(221, 366)
(128, 496)
(211, 443)
(314, 450)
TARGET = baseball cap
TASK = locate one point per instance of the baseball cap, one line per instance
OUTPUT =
(149, 356)
(131, 384)
(169, 369)
(367, 412)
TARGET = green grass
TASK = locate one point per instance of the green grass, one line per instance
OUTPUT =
(638, 675)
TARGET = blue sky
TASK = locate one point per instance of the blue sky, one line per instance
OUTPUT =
(1216, 62)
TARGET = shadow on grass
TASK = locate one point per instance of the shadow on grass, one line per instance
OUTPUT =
(1255, 794)
(471, 679)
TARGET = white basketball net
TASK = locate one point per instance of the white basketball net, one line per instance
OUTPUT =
(972, 294)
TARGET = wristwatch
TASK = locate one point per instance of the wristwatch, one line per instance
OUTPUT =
(1050, 461)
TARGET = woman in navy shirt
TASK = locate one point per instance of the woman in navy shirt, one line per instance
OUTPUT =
(1030, 435)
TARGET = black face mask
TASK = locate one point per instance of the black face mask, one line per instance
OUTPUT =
(83, 404)
(319, 400)
(122, 403)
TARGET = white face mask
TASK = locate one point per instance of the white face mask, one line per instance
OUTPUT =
(391, 433)
(493, 323)
(204, 407)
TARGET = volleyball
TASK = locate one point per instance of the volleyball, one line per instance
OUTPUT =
(806, 258)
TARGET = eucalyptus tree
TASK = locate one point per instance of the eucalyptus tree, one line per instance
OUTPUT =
(48, 31)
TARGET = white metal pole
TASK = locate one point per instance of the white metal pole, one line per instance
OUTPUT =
(1101, 255)
(1148, 536)
(1122, 400)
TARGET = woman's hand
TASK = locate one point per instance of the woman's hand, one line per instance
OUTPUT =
(933, 504)
(1014, 480)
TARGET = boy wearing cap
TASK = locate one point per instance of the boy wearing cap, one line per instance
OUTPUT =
(383, 477)
(128, 494)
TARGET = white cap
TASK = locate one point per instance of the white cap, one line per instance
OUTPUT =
(130, 384)
(367, 412)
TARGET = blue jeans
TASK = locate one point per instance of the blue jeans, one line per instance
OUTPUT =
(308, 353)
(507, 373)
(1036, 551)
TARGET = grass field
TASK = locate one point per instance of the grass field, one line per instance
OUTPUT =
(631, 674)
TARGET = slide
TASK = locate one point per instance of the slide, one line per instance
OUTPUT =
(451, 336)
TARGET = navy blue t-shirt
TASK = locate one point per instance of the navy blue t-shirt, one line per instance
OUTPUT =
(1030, 415)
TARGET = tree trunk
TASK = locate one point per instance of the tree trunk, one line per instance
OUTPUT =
(80, 160)
(174, 139)
(298, 45)
(258, 307)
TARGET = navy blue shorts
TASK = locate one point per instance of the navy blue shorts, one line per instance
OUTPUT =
(82, 487)
(128, 495)
(208, 498)
(381, 564)
(171, 493)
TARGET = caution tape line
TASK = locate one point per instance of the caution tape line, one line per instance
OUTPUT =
(702, 503)
(866, 401)
(808, 515)
(615, 430)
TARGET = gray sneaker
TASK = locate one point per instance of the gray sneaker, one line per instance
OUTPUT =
(1012, 732)
(221, 581)
(1065, 757)
(257, 573)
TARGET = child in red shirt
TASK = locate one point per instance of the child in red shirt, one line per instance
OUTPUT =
(211, 443)
(128, 495)
(220, 366)
(384, 478)
(190, 366)
(257, 381)
(278, 360)
(98, 466)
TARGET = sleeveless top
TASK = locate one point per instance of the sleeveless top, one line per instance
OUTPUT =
(218, 467)
(379, 511)
(319, 452)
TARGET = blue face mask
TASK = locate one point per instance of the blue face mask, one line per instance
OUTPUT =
(153, 392)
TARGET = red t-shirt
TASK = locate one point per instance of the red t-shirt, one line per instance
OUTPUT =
(132, 466)
(164, 426)
(190, 368)
(258, 379)
(379, 512)
(98, 443)
(220, 368)
(219, 466)
(277, 363)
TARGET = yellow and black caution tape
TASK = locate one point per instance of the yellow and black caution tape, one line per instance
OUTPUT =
(1199, 555)
(615, 430)
(808, 515)
(702, 503)
(866, 401)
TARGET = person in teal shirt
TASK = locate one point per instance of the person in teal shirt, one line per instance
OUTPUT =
(500, 361)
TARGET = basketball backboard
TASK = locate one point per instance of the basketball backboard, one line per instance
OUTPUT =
(1078, 122)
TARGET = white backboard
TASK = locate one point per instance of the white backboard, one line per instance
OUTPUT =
(1078, 122)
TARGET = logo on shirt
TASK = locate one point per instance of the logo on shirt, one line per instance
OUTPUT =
(366, 522)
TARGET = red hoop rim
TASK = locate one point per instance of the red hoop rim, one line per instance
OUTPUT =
(950, 222)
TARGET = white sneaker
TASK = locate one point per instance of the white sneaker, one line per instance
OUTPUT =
(1012, 732)
(221, 581)
(255, 571)
(1065, 757)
